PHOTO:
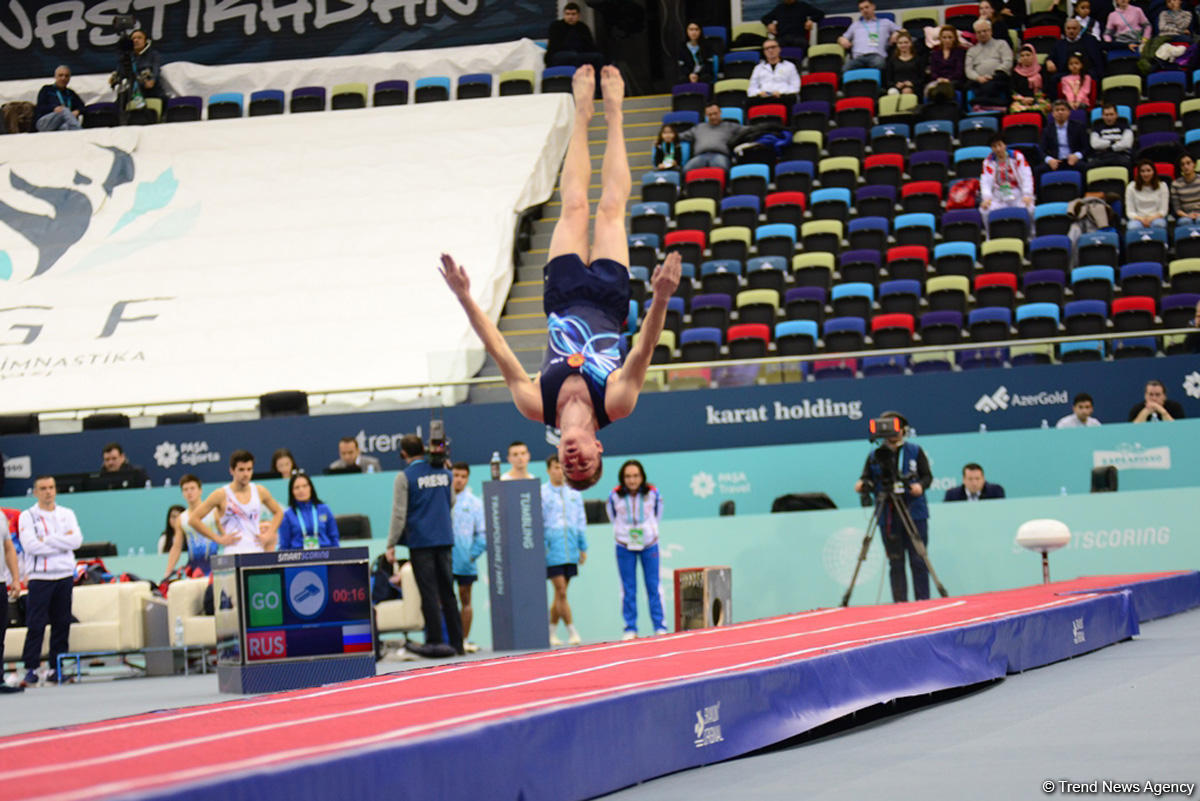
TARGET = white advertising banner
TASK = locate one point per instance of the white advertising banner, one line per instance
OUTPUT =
(236, 257)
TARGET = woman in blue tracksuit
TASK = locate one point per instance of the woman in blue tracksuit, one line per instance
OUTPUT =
(635, 507)
(564, 526)
(307, 524)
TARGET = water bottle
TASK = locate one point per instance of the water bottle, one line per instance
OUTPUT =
(141, 550)
(1062, 491)
(983, 428)
(167, 483)
(1045, 423)
(179, 631)
(495, 465)
(148, 484)
(131, 551)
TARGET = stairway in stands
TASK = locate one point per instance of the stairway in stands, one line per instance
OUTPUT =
(522, 321)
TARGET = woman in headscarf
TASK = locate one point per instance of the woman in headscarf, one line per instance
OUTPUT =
(1028, 85)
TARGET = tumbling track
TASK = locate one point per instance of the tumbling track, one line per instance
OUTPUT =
(606, 715)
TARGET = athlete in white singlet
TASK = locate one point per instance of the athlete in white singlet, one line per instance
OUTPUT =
(239, 506)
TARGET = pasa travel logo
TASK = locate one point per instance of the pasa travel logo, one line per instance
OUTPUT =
(166, 455)
(703, 484)
(1191, 384)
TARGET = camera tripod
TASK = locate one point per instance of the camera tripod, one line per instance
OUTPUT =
(883, 497)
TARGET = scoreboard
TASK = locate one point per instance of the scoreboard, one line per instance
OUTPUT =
(298, 616)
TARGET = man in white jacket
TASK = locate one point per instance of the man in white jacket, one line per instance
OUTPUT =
(49, 536)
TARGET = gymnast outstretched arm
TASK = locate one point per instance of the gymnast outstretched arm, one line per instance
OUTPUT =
(525, 393)
(627, 384)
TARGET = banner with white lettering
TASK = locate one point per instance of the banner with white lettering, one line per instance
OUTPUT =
(236, 257)
(38, 35)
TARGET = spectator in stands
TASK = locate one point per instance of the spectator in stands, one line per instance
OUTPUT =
(668, 155)
(947, 67)
(773, 78)
(1091, 26)
(147, 70)
(1028, 86)
(694, 62)
(1064, 140)
(518, 462)
(1006, 181)
(710, 140)
(421, 520)
(999, 24)
(350, 457)
(1175, 23)
(1147, 199)
(974, 487)
(1127, 26)
(1075, 40)
(200, 549)
(49, 536)
(114, 460)
(791, 21)
(988, 65)
(1081, 413)
(307, 523)
(10, 585)
(584, 383)
(905, 73)
(470, 542)
(1155, 406)
(907, 462)
(1185, 196)
(635, 509)
(570, 42)
(1076, 87)
(168, 535)
(868, 39)
(58, 107)
(283, 463)
(565, 527)
(239, 505)
(1111, 139)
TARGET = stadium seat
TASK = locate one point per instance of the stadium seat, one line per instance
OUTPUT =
(890, 138)
(934, 135)
(794, 176)
(740, 210)
(1135, 348)
(1008, 223)
(1047, 252)
(690, 244)
(749, 179)
(1059, 186)
(775, 239)
(681, 121)
(900, 297)
(908, 262)
(979, 358)
(225, 105)
(711, 311)
(1050, 219)
(897, 109)
(804, 303)
(1184, 275)
(854, 112)
(1121, 90)
(838, 171)
(931, 362)
(690, 97)
(811, 115)
(395, 93)
(184, 109)
(805, 146)
(962, 225)
(705, 182)
(1178, 310)
(1154, 118)
(968, 161)
(748, 340)
(1037, 320)
(1085, 317)
(915, 229)
(1098, 247)
(921, 197)
(785, 207)
(995, 289)
(307, 99)
(859, 266)
(884, 365)
(720, 276)
(989, 324)
(354, 95)
(554, 79)
(929, 165)
(814, 269)
(875, 201)
(947, 293)
(892, 330)
(758, 306)
(955, 258)
(852, 300)
(1093, 282)
(844, 334)
(1187, 242)
(767, 112)
(822, 235)
(660, 186)
(1133, 313)
(730, 242)
(796, 337)
(884, 168)
(739, 64)
(1166, 87)
(701, 344)
(974, 132)
(767, 272)
(648, 218)
(694, 214)
(832, 203)
(941, 327)
(1087, 351)
(1027, 355)
(1108, 179)
(861, 83)
(1142, 279)
(512, 82)
(867, 233)
(826, 57)
(1044, 286)
(819, 86)
(266, 102)
(1022, 128)
(731, 92)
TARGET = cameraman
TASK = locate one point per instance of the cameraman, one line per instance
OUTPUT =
(421, 520)
(897, 462)
(147, 69)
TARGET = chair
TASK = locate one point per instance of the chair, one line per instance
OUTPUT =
(831, 203)
(1088, 351)
(1146, 244)
(184, 109)
(1085, 317)
(1044, 286)
(898, 109)
(1133, 313)
(749, 179)
(981, 358)
(995, 289)
(749, 340)
(224, 105)
(1046, 252)
(844, 334)
(731, 92)
(765, 112)
(854, 112)
(859, 266)
(554, 79)
(1154, 117)
(266, 102)
(929, 165)
(286, 403)
(1050, 219)
(643, 250)
(148, 112)
(690, 244)
(968, 161)
(875, 201)
(908, 262)
(890, 138)
(690, 97)
(1189, 112)
(733, 114)
(976, 131)
(941, 327)
(1142, 279)
(1060, 186)
(395, 93)
(739, 210)
(962, 225)
(1093, 282)
(1037, 320)
(354, 95)
(819, 86)
(758, 306)
(861, 83)
(868, 233)
(884, 168)
(852, 300)
(1163, 147)
(1022, 128)
(794, 176)
(711, 310)
(1042, 37)
(740, 64)
(813, 269)
(648, 218)
(1191, 139)
(720, 276)
(1178, 310)
(785, 207)
(1187, 243)
(775, 239)
(1121, 62)
(307, 99)
(767, 272)
(100, 115)
(884, 365)
(933, 135)
(705, 182)
(1108, 179)
(822, 235)
(930, 362)
(989, 324)
(512, 82)
(1098, 247)
(915, 229)
(681, 120)
(694, 213)
(902, 296)
(1135, 348)
(701, 344)
(1121, 90)
(795, 338)
(1184, 275)
(955, 258)
(1124, 113)
(660, 186)
(921, 197)
(892, 330)
(730, 242)
(838, 172)
(1008, 223)
(805, 146)
(826, 57)
(811, 115)
(1028, 355)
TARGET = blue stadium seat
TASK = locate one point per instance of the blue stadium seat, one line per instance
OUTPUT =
(955, 258)
(989, 324)
(1086, 351)
(884, 365)
(1037, 320)
(1047, 252)
(1085, 317)
(852, 299)
(843, 334)
(915, 229)
(830, 204)
(1050, 219)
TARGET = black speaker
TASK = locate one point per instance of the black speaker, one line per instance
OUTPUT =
(802, 502)
(283, 404)
(1104, 479)
(353, 527)
(19, 424)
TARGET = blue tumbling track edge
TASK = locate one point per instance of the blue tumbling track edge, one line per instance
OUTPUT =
(579, 751)
(1162, 596)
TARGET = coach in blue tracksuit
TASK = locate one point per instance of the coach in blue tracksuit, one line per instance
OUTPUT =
(907, 463)
(421, 520)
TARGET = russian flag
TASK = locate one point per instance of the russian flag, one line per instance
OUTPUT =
(356, 638)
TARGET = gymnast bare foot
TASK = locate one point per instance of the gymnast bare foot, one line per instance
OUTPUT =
(613, 87)
(583, 86)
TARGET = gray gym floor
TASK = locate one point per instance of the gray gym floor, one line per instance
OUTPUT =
(1126, 713)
